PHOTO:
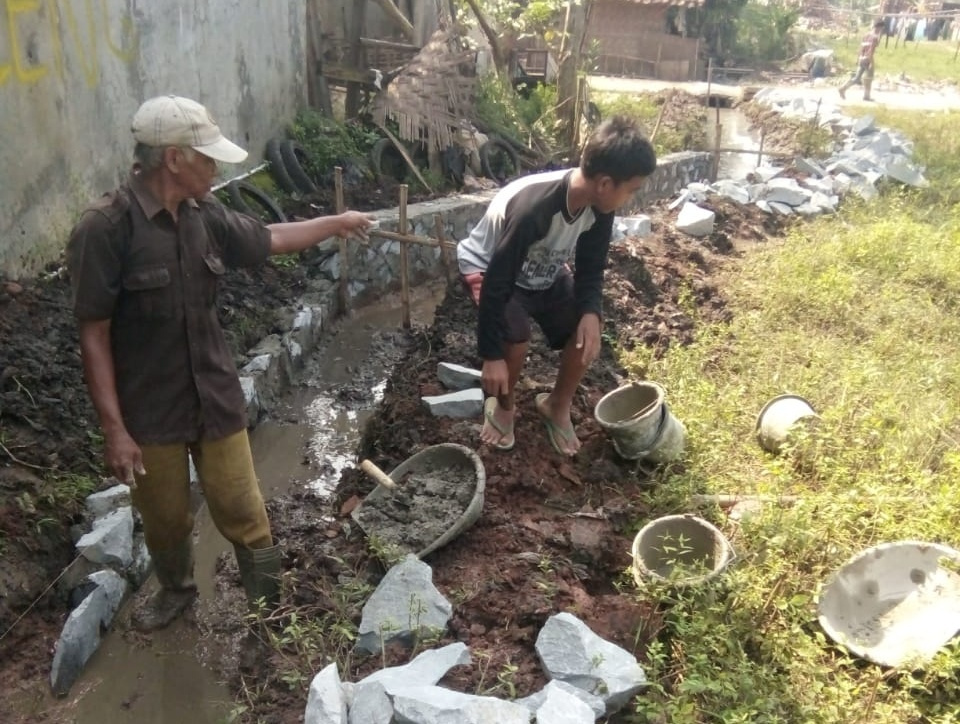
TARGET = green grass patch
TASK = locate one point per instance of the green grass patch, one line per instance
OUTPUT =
(686, 132)
(858, 313)
(923, 61)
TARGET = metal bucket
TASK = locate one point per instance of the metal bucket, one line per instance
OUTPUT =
(780, 417)
(638, 421)
(682, 549)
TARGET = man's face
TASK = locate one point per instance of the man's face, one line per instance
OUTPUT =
(194, 171)
(611, 195)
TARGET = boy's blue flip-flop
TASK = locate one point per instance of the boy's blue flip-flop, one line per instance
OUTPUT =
(554, 431)
(489, 406)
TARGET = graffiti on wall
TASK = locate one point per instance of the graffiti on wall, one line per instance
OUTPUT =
(44, 37)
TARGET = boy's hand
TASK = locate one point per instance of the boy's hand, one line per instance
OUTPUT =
(495, 378)
(588, 337)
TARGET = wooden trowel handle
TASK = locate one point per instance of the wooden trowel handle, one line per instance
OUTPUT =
(377, 475)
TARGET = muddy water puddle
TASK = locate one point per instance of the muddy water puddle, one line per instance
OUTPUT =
(311, 437)
(735, 132)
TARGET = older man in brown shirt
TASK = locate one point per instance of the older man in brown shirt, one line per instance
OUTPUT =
(145, 262)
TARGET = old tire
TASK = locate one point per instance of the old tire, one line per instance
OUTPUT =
(294, 159)
(278, 169)
(499, 160)
(386, 161)
(248, 199)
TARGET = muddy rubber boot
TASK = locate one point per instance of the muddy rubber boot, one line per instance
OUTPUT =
(867, 84)
(174, 569)
(260, 575)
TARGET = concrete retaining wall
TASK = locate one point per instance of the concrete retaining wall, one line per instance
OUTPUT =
(674, 172)
(72, 73)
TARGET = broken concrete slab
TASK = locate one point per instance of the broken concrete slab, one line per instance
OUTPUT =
(371, 705)
(426, 669)
(80, 636)
(809, 166)
(695, 221)
(782, 209)
(863, 126)
(436, 705)
(561, 707)
(763, 174)
(639, 225)
(534, 701)
(457, 377)
(571, 652)
(106, 501)
(406, 607)
(111, 540)
(732, 190)
(786, 191)
(906, 173)
(326, 703)
(460, 405)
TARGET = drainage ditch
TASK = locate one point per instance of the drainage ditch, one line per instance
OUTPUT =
(309, 439)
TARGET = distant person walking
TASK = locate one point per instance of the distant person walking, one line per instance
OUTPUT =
(865, 64)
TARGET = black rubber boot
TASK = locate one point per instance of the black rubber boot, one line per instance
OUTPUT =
(174, 569)
(260, 575)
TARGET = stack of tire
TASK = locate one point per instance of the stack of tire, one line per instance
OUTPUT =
(286, 160)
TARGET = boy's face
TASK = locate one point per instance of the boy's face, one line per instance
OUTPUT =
(610, 195)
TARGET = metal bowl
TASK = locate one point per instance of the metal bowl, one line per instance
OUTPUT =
(895, 604)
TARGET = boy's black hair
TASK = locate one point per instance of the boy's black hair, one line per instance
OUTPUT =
(618, 149)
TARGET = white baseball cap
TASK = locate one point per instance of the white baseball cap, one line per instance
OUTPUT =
(176, 121)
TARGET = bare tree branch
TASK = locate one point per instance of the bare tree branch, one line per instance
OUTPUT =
(397, 18)
(499, 61)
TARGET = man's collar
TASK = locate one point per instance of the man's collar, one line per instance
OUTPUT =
(148, 202)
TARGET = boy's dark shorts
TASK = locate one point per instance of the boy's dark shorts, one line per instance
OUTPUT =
(554, 309)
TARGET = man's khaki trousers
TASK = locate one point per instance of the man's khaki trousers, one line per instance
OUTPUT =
(229, 484)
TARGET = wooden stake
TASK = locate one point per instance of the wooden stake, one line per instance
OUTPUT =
(709, 79)
(760, 152)
(404, 260)
(444, 247)
(344, 287)
(716, 153)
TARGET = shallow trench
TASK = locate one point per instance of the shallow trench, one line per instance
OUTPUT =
(308, 440)
(735, 132)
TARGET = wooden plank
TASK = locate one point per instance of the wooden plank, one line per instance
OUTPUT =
(344, 282)
(347, 74)
(388, 44)
(404, 260)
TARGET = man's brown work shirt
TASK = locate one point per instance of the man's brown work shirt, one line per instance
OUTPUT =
(156, 281)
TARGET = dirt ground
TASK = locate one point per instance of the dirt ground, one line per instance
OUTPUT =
(554, 535)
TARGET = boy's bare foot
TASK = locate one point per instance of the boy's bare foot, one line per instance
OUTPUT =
(559, 427)
(497, 426)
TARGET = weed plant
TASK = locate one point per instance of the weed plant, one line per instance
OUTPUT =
(858, 313)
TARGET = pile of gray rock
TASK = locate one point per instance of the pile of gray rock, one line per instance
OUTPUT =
(589, 677)
(464, 400)
(112, 559)
(864, 156)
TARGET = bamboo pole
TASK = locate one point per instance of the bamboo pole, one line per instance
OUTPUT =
(404, 260)
(709, 79)
(716, 153)
(344, 285)
(444, 247)
(409, 238)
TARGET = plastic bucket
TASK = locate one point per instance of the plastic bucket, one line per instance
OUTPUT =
(682, 549)
(781, 416)
(637, 419)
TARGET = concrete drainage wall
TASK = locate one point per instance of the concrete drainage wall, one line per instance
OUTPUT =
(113, 559)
